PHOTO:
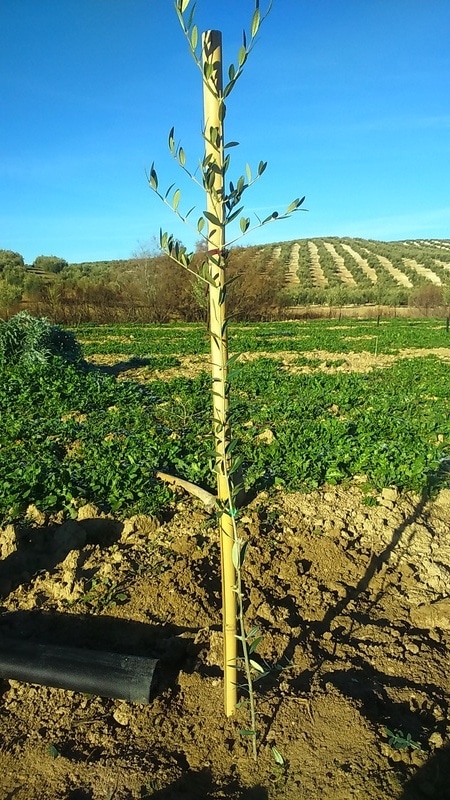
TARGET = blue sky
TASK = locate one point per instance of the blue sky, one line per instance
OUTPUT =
(347, 100)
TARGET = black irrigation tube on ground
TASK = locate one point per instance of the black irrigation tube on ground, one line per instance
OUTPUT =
(116, 675)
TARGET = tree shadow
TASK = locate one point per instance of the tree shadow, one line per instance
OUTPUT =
(201, 786)
(135, 362)
(353, 675)
(432, 781)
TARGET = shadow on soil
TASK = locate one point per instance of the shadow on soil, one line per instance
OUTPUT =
(432, 781)
(201, 785)
(136, 362)
(41, 549)
(198, 785)
(358, 679)
(123, 366)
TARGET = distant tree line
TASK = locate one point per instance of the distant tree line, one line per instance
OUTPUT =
(145, 288)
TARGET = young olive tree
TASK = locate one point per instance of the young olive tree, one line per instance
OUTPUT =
(223, 206)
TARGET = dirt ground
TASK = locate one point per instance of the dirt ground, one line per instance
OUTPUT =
(353, 600)
(192, 366)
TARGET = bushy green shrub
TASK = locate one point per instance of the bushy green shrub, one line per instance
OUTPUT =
(31, 341)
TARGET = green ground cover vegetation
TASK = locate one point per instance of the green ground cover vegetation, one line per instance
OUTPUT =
(71, 433)
(345, 336)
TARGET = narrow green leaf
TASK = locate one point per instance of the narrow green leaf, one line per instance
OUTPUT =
(194, 37)
(153, 178)
(209, 179)
(172, 140)
(244, 224)
(256, 21)
(248, 172)
(243, 552)
(292, 206)
(231, 144)
(247, 733)
(211, 218)
(237, 462)
(278, 758)
(242, 56)
(191, 17)
(180, 17)
(169, 191)
(176, 199)
(255, 644)
(200, 224)
(232, 359)
(181, 156)
(257, 667)
(228, 88)
(228, 283)
(208, 70)
(261, 167)
(183, 4)
(231, 217)
(222, 111)
(231, 446)
(231, 72)
(270, 218)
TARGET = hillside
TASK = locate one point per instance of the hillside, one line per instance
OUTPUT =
(331, 262)
(273, 280)
(334, 262)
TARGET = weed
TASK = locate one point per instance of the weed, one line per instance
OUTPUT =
(400, 742)
(279, 767)
(152, 785)
(305, 361)
(104, 593)
(53, 751)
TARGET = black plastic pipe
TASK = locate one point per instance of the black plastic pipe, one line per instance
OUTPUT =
(89, 671)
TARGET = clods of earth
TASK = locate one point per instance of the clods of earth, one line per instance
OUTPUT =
(351, 594)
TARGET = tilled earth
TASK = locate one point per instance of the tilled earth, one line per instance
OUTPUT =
(352, 595)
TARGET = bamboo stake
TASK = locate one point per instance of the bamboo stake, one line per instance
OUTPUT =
(214, 169)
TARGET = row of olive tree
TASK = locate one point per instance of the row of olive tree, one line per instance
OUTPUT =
(145, 289)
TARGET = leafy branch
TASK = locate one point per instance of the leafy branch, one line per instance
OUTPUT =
(190, 31)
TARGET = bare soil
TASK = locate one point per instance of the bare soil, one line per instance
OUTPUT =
(353, 600)
(328, 362)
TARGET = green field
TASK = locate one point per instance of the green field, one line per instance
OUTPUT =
(71, 434)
